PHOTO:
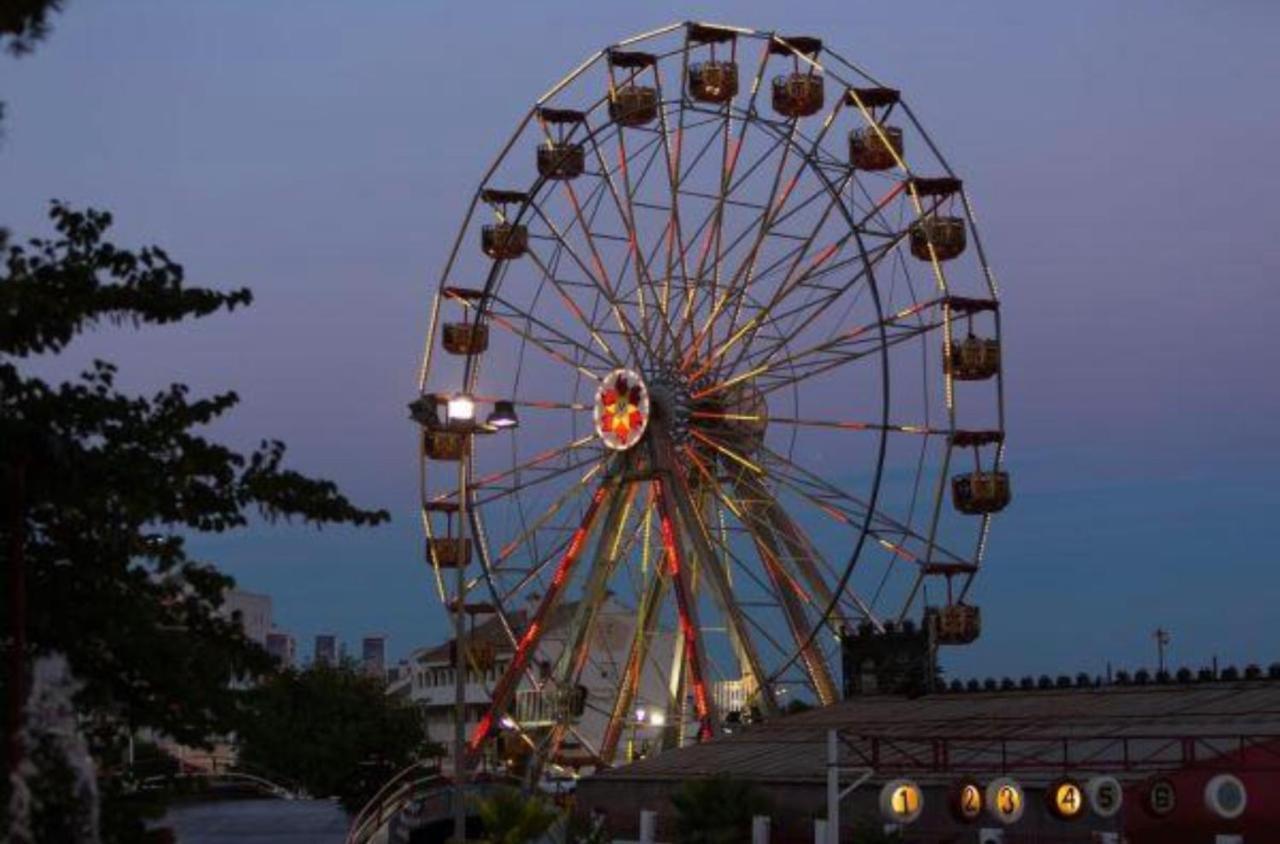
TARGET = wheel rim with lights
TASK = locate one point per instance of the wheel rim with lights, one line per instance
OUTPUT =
(694, 271)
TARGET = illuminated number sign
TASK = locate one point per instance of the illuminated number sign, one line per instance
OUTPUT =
(1105, 796)
(1066, 799)
(966, 801)
(1162, 798)
(901, 801)
(1225, 796)
(1005, 800)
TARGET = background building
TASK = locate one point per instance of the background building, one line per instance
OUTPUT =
(326, 650)
(433, 675)
(252, 610)
(282, 647)
(373, 656)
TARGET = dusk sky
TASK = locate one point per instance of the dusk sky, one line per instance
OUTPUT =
(1121, 157)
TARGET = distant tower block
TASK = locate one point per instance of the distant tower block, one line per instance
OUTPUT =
(373, 656)
(326, 650)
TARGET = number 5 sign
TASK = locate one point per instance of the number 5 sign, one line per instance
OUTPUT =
(1105, 796)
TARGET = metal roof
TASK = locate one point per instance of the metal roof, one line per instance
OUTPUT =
(1122, 729)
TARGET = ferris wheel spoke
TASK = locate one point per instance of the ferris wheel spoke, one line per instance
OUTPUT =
(609, 289)
(680, 509)
(806, 162)
(573, 654)
(532, 635)
(494, 478)
(549, 341)
(674, 235)
(611, 286)
(592, 463)
(691, 647)
(637, 656)
(626, 213)
(843, 425)
(764, 221)
(791, 597)
(804, 553)
(852, 511)
(592, 330)
(818, 268)
(744, 276)
(729, 163)
(872, 338)
(790, 283)
(786, 589)
(540, 522)
(871, 258)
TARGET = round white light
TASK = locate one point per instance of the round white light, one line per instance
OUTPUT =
(1225, 796)
(507, 722)
(657, 719)
(461, 409)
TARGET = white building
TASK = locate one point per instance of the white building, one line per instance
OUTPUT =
(433, 676)
(282, 647)
(252, 610)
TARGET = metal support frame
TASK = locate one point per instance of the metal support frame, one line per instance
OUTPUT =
(834, 792)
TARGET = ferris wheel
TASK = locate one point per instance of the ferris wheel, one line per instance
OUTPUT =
(712, 378)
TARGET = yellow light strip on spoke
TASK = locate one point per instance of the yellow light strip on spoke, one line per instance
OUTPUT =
(727, 452)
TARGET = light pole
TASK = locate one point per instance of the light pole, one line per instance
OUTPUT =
(1162, 638)
(460, 412)
(643, 718)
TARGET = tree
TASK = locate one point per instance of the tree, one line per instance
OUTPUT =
(509, 817)
(583, 828)
(716, 810)
(333, 731)
(100, 492)
(24, 22)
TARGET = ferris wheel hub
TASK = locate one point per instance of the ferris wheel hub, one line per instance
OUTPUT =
(672, 397)
(621, 409)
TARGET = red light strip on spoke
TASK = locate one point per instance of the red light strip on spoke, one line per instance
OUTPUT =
(506, 685)
(688, 631)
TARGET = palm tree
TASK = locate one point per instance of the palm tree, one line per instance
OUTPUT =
(716, 810)
(509, 817)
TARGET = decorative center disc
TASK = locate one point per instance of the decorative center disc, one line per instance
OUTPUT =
(621, 409)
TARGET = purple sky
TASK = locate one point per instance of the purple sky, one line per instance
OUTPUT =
(1121, 158)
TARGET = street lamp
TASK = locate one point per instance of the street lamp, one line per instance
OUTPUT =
(643, 718)
(503, 415)
(460, 410)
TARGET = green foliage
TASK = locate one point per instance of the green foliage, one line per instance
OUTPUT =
(333, 731)
(795, 706)
(583, 829)
(24, 22)
(101, 489)
(716, 810)
(509, 817)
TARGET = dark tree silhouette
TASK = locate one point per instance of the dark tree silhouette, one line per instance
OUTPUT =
(334, 731)
(101, 489)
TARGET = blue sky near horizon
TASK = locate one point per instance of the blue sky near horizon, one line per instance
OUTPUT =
(1121, 158)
